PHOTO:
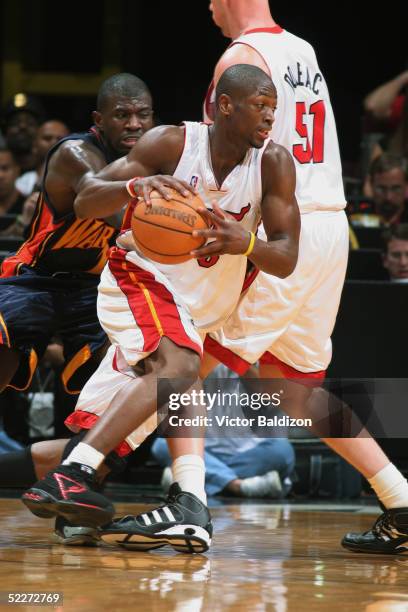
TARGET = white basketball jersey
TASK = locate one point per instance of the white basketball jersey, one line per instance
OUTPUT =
(304, 121)
(210, 288)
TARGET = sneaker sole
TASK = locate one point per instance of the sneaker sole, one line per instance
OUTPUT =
(83, 539)
(194, 540)
(47, 506)
(371, 551)
(77, 541)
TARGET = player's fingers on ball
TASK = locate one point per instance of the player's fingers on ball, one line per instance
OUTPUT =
(182, 187)
(210, 249)
(210, 233)
(160, 186)
(217, 210)
(146, 194)
(209, 216)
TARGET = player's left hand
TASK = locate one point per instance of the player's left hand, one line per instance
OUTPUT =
(226, 234)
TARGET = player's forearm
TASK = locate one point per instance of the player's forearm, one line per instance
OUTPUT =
(99, 199)
(379, 101)
(276, 257)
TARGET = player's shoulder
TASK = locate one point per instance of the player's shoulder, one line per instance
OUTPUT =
(298, 42)
(166, 131)
(163, 140)
(70, 148)
(277, 164)
(275, 153)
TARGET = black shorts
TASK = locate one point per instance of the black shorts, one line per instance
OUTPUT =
(35, 307)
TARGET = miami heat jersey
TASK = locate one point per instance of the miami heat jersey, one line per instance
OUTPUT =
(304, 121)
(64, 243)
(210, 287)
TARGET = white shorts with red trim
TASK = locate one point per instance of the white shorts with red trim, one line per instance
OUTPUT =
(110, 378)
(137, 307)
(291, 318)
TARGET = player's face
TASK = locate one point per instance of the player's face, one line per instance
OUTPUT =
(125, 120)
(396, 258)
(389, 190)
(254, 115)
(8, 173)
(219, 16)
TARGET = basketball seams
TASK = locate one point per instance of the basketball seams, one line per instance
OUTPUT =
(170, 224)
(169, 229)
(139, 242)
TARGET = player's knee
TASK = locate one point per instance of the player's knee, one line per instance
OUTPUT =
(186, 365)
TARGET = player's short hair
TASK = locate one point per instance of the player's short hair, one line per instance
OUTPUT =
(241, 80)
(387, 162)
(122, 84)
(400, 232)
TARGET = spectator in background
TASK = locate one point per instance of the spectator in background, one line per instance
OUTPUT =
(395, 254)
(11, 200)
(386, 101)
(394, 142)
(49, 133)
(389, 181)
(22, 116)
(243, 467)
(388, 175)
(18, 227)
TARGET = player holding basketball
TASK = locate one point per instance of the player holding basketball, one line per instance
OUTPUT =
(295, 341)
(50, 286)
(146, 308)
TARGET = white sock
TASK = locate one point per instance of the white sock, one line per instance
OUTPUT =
(391, 487)
(189, 472)
(83, 453)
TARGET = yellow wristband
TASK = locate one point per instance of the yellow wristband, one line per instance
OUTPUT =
(251, 244)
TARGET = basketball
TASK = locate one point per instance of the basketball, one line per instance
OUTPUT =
(163, 231)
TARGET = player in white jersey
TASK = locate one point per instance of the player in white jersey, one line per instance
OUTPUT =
(154, 314)
(287, 324)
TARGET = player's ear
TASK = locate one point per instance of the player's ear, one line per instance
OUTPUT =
(97, 119)
(225, 104)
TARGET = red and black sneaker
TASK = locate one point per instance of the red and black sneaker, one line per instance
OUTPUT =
(69, 491)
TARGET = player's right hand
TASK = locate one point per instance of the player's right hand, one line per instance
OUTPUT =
(143, 186)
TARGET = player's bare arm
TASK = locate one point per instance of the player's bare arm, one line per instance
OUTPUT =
(150, 164)
(280, 216)
(72, 160)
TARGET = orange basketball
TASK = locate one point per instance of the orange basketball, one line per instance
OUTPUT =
(163, 231)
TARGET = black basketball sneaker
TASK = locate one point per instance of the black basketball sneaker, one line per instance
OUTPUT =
(68, 491)
(184, 523)
(74, 535)
(388, 536)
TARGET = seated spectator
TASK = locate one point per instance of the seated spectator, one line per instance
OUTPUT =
(243, 467)
(49, 133)
(395, 142)
(389, 184)
(385, 102)
(17, 228)
(11, 200)
(395, 254)
(22, 116)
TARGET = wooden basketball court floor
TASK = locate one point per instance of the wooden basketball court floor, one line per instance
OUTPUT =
(264, 558)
